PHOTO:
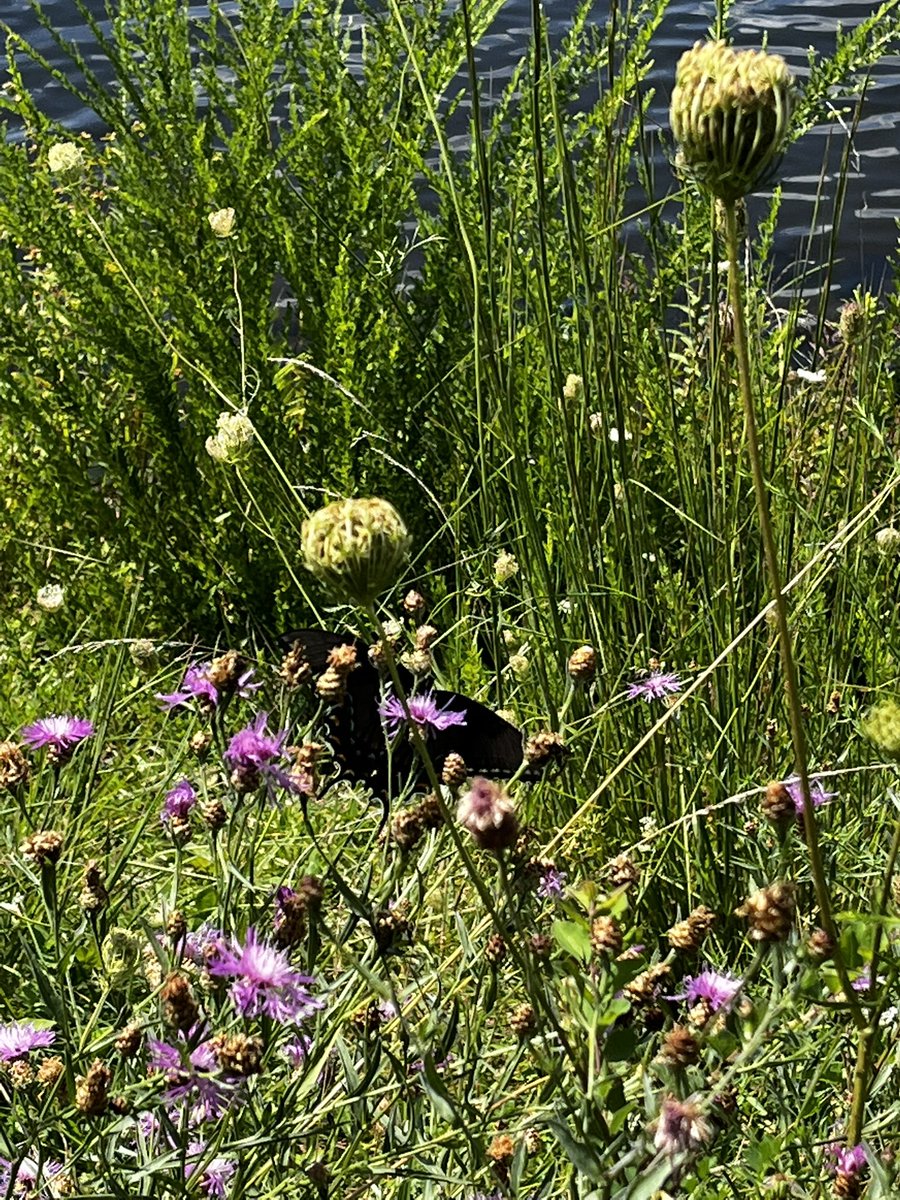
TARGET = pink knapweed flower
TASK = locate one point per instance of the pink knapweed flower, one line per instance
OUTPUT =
(265, 983)
(59, 734)
(817, 793)
(716, 989)
(197, 685)
(20, 1038)
(425, 712)
(179, 801)
(655, 685)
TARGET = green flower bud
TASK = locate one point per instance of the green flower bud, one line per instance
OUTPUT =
(357, 548)
(121, 953)
(882, 727)
(730, 114)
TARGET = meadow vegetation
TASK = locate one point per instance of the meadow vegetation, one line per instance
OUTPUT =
(313, 255)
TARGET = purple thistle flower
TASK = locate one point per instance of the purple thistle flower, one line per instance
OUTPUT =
(197, 685)
(654, 685)
(425, 712)
(846, 1160)
(179, 802)
(254, 752)
(19, 1039)
(215, 1175)
(552, 884)
(190, 1079)
(817, 793)
(716, 989)
(297, 1050)
(863, 981)
(29, 1177)
(60, 735)
(265, 983)
(204, 944)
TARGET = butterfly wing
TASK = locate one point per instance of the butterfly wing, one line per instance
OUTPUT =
(488, 744)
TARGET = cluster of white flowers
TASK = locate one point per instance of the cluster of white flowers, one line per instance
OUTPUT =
(221, 222)
(505, 566)
(233, 438)
(64, 157)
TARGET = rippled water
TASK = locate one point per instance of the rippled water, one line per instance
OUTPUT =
(868, 229)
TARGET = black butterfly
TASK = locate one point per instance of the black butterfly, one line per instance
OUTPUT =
(487, 744)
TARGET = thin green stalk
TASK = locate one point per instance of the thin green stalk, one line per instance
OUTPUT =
(868, 1038)
(792, 690)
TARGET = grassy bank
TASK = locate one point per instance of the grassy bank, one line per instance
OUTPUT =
(307, 260)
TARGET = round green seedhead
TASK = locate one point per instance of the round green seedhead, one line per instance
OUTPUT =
(882, 727)
(730, 115)
(357, 548)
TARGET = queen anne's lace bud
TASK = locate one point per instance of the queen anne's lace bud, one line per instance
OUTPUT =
(65, 157)
(730, 114)
(356, 548)
(882, 727)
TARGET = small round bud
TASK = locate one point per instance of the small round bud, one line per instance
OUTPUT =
(582, 665)
(129, 1040)
(690, 933)
(92, 1089)
(356, 548)
(414, 603)
(14, 767)
(606, 937)
(888, 541)
(545, 747)
(523, 1021)
(680, 1047)
(495, 951)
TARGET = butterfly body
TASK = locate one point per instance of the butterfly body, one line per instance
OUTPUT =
(487, 744)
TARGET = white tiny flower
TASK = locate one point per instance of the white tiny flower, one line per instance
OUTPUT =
(889, 1016)
(816, 377)
(505, 566)
(221, 222)
(596, 423)
(565, 607)
(233, 438)
(50, 597)
(63, 157)
(888, 540)
(615, 436)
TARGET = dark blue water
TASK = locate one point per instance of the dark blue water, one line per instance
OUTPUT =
(867, 232)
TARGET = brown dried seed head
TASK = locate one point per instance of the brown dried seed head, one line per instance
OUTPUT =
(495, 950)
(413, 603)
(848, 1186)
(225, 671)
(502, 1149)
(295, 670)
(431, 812)
(50, 1072)
(582, 666)
(770, 912)
(426, 635)
(311, 891)
(19, 1073)
(43, 847)
(453, 772)
(213, 812)
(176, 926)
(778, 804)
(606, 936)
(541, 945)
(180, 1009)
(200, 743)
(680, 1047)
(690, 933)
(14, 766)
(129, 1040)
(644, 988)
(92, 1089)
(819, 945)
(522, 1020)
(331, 685)
(419, 661)
(343, 659)
(623, 871)
(238, 1053)
(407, 829)
(94, 895)
(545, 747)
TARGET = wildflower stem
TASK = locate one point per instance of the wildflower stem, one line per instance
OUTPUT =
(798, 734)
(868, 1038)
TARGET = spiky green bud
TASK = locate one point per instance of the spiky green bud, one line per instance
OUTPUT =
(730, 114)
(882, 727)
(356, 548)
